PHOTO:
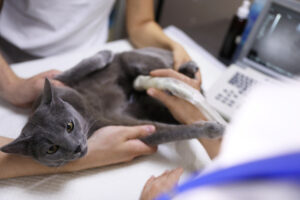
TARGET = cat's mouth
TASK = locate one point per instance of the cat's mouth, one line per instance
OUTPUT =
(62, 162)
(78, 155)
(82, 153)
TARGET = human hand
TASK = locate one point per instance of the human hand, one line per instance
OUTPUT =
(195, 83)
(115, 144)
(181, 110)
(164, 183)
(180, 55)
(22, 92)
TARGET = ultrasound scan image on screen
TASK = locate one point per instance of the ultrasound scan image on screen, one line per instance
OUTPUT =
(277, 43)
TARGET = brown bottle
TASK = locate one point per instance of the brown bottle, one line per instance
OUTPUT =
(234, 33)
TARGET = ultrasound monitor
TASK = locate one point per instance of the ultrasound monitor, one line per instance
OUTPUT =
(276, 44)
(271, 54)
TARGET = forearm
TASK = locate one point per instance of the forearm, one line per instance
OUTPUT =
(107, 146)
(16, 166)
(142, 29)
(7, 76)
(212, 147)
(150, 33)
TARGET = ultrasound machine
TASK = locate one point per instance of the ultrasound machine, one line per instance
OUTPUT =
(270, 54)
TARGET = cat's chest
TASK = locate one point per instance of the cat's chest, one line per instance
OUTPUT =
(106, 90)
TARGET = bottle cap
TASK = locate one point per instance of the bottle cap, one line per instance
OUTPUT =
(244, 10)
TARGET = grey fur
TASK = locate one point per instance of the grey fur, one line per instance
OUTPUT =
(100, 93)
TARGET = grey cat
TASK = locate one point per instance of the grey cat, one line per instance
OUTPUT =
(101, 93)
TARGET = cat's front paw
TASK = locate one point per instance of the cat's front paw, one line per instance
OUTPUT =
(102, 58)
(189, 69)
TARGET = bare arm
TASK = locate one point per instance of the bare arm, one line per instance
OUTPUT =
(7, 76)
(144, 31)
(22, 92)
(107, 146)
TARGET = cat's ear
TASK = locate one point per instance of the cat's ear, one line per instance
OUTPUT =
(48, 94)
(18, 146)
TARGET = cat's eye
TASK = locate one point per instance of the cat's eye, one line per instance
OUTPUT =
(53, 149)
(70, 127)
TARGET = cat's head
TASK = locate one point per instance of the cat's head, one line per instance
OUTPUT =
(55, 134)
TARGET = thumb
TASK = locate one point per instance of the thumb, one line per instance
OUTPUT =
(176, 65)
(198, 76)
(166, 99)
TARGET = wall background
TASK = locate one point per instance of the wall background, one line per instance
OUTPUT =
(206, 21)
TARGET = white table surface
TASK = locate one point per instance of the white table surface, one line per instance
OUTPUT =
(124, 181)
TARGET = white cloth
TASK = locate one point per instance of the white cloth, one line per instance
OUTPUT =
(267, 125)
(45, 28)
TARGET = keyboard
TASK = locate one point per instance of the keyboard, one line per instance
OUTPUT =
(230, 91)
(240, 83)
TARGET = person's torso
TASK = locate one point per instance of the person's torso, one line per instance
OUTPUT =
(45, 28)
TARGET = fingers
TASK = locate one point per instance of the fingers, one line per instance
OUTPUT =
(181, 61)
(169, 178)
(195, 83)
(169, 73)
(174, 175)
(135, 132)
(166, 99)
(198, 76)
(135, 146)
(150, 180)
(180, 56)
(50, 74)
(138, 148)
(164, 183)
(177, 64)
(57, 83)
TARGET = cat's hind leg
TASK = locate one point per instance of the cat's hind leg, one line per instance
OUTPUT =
(170, 133)
(166, 132)
(143, 61)
(85, 67)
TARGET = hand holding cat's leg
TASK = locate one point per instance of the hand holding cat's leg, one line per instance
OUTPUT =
(186, 113)
(115, 144)
(109, 145)
(195, 83)
(85, 67)
(183, 111)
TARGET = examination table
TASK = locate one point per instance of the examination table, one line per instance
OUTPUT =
(123, 181)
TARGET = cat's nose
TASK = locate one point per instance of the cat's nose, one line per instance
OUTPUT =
(78, 149)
